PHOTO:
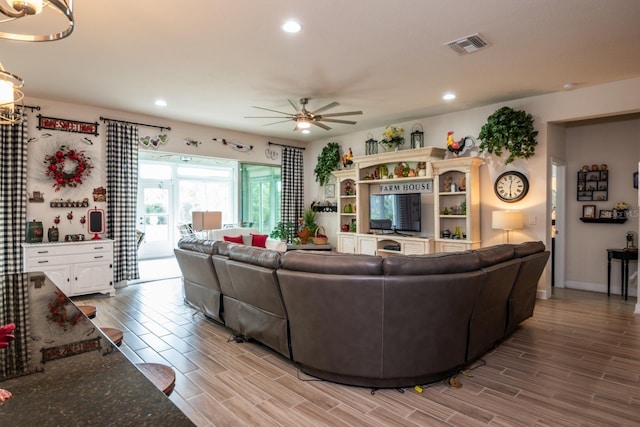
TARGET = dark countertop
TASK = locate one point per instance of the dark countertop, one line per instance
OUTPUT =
(62, 370)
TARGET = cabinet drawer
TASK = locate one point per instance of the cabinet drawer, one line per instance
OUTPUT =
(67, 249)
(32, 263)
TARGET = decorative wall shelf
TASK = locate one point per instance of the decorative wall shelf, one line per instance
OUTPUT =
(333, 208)
(605, 220)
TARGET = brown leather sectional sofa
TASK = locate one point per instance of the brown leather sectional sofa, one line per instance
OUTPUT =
(362, 320)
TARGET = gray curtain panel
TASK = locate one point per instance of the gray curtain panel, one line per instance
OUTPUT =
(292, 201)
(122, 190)
(13, 195)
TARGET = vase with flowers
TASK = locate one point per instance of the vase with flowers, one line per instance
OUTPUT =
(392, 138)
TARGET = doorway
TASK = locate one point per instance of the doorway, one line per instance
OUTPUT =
(155, 219)
(557, 222)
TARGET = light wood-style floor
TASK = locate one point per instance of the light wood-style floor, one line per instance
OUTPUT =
(575, 363)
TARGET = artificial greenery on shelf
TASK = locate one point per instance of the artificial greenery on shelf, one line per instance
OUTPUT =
(509, 130)
(328, 161)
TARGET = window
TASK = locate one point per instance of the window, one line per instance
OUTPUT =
(261, 192)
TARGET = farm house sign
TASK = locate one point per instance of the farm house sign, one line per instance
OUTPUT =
(52, 123)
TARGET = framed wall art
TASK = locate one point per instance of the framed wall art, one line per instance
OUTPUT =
(589, 211)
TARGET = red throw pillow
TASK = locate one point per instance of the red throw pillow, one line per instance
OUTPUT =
(233, 239)
(259, 240)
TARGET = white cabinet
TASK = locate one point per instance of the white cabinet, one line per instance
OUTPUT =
(75, 267)
(347, 243)
(457, 204)
(367, 245)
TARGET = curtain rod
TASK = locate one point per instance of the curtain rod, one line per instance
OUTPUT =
(288, 146)
(104, 119)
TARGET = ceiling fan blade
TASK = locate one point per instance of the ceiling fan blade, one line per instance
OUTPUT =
(275, 123)
(322, 125)
(346, 122)
(275, 111)
(266, 117)
(294, 105)
(326, 107)
(346, 113)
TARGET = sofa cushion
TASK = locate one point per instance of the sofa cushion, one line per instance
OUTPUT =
(438, 263)
(233, 239)
(325, 262)
(224, 248)
(528, 248)
(209, 247)
(259, 240)
(256, 256)
(495, 254)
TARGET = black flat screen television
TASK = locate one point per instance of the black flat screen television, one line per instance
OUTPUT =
(395, 212)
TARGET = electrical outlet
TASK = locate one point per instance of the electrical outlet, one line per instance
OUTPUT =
(532, 220)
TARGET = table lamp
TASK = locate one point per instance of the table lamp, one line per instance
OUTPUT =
(507, 221)
(206, 220)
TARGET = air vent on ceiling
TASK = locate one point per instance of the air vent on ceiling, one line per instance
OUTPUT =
(468, 44)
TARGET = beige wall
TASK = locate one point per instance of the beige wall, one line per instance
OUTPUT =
(550, 113)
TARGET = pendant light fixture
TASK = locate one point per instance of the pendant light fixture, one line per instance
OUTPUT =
(10, 98)
(41, 13)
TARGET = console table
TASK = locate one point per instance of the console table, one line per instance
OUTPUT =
(624, 255)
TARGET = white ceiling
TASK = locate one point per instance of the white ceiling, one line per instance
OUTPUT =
(212, 60)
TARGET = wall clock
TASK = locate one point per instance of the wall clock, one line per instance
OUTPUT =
(511, 186)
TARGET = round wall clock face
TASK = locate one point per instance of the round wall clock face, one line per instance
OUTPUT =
(511, 186)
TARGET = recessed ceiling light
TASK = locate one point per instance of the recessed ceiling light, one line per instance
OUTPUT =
(305, 131)
(449, 96)
(569, 86)
(161, 103)
(291, 26)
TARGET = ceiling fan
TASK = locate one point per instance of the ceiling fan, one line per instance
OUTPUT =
(305, 118)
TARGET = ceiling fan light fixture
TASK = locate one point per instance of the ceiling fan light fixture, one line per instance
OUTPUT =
(10, 97)
(17, 9)
(303, 124)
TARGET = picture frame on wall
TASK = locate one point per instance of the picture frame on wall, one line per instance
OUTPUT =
(588, 211)
(606, 213)
(329, 191)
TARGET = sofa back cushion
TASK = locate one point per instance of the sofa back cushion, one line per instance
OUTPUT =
(262, 257)
(492, 255)
(528, 248)
(324, 262)
(438, 263)
(208, 247)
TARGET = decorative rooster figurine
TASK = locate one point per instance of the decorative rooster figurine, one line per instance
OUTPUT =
(346, 159)
(456, 147)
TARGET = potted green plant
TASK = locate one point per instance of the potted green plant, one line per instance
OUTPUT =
(282, 231)
(509, 130)
(328, 161)
(309, 221)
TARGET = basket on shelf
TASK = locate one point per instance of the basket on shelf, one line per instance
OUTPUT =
(320, 237)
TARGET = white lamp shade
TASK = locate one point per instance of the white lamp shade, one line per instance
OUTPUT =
(507, 220)
(205, 220)
(6, 94)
